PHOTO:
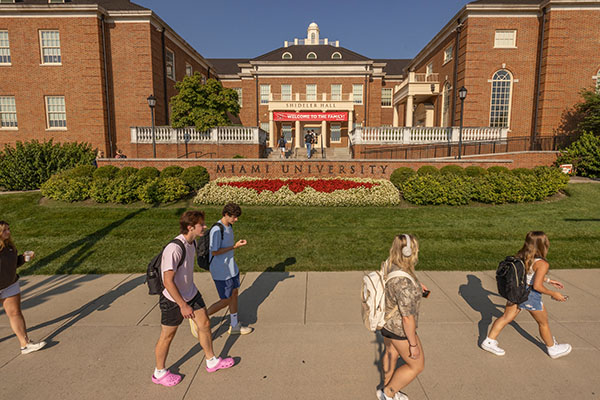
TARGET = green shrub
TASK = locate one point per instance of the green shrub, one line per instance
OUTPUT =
(238, 156)
(195, 177)
(148, 173)
(64, 188)
(500, 188)
(550, 180)
(172, 189)
(452, 170)
(521, 171)
(127, 171)
(123, 190)
(400, 175)
(101, 190)
(81, 171)
(475, 170)
(437, 189)
(584, 154)
(27, 165)
(428, 170)
(171, 171)
(106, 172)
(149, 191)
(497, 169)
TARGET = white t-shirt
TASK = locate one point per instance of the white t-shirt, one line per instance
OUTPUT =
(530, 274)
(184, 275)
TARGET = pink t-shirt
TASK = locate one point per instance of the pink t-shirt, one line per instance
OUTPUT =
(184, 275)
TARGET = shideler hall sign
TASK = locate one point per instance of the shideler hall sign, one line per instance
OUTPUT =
(310, 116)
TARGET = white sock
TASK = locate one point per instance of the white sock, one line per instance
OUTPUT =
(159, 373)
(212, 362)
(234, 320)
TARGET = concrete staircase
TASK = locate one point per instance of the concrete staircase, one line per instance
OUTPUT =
(331, 153)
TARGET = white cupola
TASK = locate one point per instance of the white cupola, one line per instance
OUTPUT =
(312, 34)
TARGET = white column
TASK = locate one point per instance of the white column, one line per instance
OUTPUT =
(324, 133)
(409, 111)
(297, 134)
(350, 122)
(272, 130)
(396, 117)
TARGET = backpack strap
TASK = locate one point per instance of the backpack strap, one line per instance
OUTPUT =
(222, 229)
(400, 274)
(182, 246)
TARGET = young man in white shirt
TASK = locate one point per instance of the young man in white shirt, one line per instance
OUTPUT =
(181, 299)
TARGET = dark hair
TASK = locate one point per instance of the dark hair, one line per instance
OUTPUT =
(190, 218)
(232, 210)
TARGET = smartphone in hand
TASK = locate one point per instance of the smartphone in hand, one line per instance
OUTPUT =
(426, 293)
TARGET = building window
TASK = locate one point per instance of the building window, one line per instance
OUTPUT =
(448, 54)
(8, 112)
(386, 97)
(597, 78)
(311, 56)
(287, 55)
(56, 114)
(336, 56)
(50, 41)
(336, 92)
(286, 92)
(286, 131)
(505, 39)
(265, 126)
(56, 1)
(170, 63)
(203, 80)
(501, 96)
(357, 94)
(189, 70)
(238, 90)
(429, 70)
(4, 48)
(265, 93)
(311, 92)
(336, 133)
(446, 105)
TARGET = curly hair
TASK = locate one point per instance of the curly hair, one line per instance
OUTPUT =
(232, 209)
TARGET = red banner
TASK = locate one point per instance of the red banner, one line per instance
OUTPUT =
(310, 116)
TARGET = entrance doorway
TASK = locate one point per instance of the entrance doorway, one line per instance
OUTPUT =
(318, 137)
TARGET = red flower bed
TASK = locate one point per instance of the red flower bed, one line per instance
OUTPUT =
(298, 185)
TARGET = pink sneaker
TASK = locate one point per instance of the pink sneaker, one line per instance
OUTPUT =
(222, 364)
(168, 379)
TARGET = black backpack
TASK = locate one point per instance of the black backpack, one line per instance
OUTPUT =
(153, 273)
(203, 247)
(511, 278)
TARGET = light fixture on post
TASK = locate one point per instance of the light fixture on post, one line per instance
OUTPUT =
(462, 95)
(152, 103)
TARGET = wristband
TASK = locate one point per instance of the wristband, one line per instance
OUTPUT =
(410, 345)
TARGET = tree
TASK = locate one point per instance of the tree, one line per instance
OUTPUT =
(204, 106)
(583, 117)
(584, 154)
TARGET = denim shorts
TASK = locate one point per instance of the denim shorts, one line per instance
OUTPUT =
(10, 291)
(533, 302)
(225, 288)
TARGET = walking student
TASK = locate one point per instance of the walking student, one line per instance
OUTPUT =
(181, 299)
(402, 299)
(10, 291)
(281, 145)
(533, 254)
(224, 269)
(308, 140)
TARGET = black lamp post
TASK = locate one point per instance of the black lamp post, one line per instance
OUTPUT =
(152, 103)
(462, 94)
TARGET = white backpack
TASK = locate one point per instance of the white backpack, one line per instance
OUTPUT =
(373, 297)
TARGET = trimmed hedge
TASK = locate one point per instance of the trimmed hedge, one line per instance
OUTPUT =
(195, 177)
(498, 170)
(584, 154)
(106, 172)
(148, 173)
(428, 170)
(171, 171)
(437, 189)
(452, 170)
(400, 175)
(474, 170)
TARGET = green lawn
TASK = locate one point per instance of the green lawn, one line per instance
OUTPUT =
(84, 238)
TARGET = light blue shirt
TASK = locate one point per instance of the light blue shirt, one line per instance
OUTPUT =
(223, 266)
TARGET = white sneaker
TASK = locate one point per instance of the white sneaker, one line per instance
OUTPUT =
(382, 396)
(32, 346)
(559, 350)
(400, 396)
(240, 330)
(491, 345)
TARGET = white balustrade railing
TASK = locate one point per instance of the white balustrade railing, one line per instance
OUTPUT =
(422, 135)
(218, 135)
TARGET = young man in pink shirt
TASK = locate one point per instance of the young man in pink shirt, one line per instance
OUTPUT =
(181, 299)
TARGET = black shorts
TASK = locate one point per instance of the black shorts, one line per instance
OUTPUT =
(390, 335)
(170, 313)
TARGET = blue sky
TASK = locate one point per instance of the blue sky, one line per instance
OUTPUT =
(246, 29)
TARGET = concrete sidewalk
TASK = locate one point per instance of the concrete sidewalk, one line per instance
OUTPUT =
(309, 341)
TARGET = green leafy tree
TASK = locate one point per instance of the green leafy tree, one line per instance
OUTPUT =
(584, 154)
(204, 106)
(583, 116)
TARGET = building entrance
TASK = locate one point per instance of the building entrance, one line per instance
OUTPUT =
(318, 137)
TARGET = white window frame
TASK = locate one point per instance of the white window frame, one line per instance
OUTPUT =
(189, 69)
(42, 47)
(286, 128)
(335, 94)
(239, 92)
(336, 56)
(505, 42)
(5, 49)
(171, 75)
(286, 56)
(59, 112)
(311, 92)
(495, 101)
(265, 94)
(265, 126)
(357, 93)
(332, 127)
(446, 97)
(388, 98)
(448, 54)
(286, 92)
(429, 69)
(311, 56)
(8, 113)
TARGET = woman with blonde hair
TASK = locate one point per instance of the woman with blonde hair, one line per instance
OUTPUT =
(402, 298)
(533, 254)
(10, 291)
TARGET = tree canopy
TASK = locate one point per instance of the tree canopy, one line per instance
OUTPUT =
(583, 116)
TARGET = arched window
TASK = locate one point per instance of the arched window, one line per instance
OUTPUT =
(336, 56)
(501, 96)
(447, 95)
(311, 56)
(287, 55)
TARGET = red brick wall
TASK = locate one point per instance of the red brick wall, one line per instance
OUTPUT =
(196, 150)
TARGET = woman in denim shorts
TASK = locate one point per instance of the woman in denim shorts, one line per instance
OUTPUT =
(533, 254)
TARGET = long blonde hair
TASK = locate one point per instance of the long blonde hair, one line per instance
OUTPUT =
(397, 258)
(8, 242)
(536, 246)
